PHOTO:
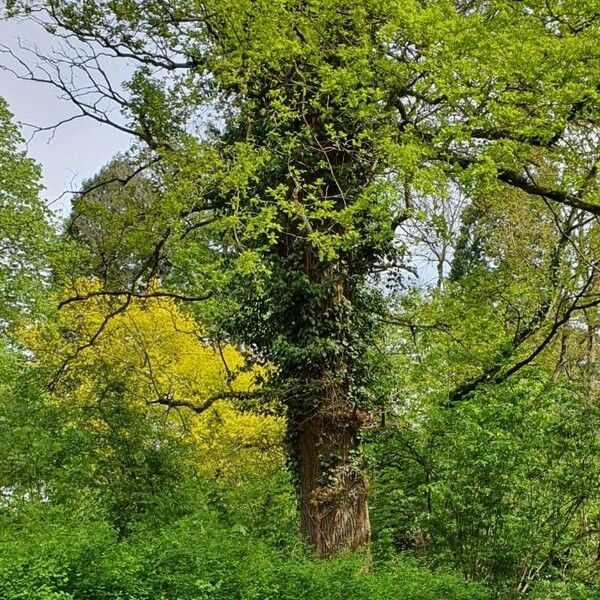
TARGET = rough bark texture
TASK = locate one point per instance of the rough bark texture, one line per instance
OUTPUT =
(333, 490)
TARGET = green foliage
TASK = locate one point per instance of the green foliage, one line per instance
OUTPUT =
(122, 515)
(25, 232)
(565, 591)
(127, 461)
(73, 554)
(109, 226)
(501, 486)
(330, 125)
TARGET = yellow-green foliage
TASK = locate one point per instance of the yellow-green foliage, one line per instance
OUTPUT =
(150, 350)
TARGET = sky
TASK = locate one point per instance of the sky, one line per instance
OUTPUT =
(77, 150)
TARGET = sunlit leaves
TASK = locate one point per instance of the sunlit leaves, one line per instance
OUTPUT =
(154, 359)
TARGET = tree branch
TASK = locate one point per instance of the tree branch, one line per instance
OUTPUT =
(132, 294)
(168, 400)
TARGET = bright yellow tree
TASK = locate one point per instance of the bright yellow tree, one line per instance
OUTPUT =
(162, 361)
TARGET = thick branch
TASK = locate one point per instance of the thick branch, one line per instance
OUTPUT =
(529, 186)
(132, 294)
(168, 400)
(495, 374)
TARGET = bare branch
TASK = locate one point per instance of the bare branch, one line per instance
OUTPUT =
(168, 400)
(132, 294)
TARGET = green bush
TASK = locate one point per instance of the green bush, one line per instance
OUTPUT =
(564, 591)
(75, 554)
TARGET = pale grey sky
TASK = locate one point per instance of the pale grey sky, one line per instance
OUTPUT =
(78, 149)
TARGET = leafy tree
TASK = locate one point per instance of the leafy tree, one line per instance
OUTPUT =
(331, 118)
(487, 459)
(503, 487)
(150, 362)
(25, 231)
(105, 498)
(111, 225)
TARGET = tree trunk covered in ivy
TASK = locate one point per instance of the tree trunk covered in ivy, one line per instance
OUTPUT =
(319, 336)
(332, 487)
(315, 320)
(325, 419)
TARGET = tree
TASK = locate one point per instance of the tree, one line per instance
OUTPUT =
(149, 397)
(111, 224)
(493, 403)
(330, 119)
(25, 231)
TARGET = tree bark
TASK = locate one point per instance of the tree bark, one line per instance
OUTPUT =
(332, 487)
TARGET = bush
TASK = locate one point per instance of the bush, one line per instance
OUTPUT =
(62, 554)
(564, 591)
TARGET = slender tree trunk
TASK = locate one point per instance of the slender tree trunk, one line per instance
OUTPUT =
(592, 351)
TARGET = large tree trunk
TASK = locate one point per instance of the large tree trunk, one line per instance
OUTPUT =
(332, 488)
